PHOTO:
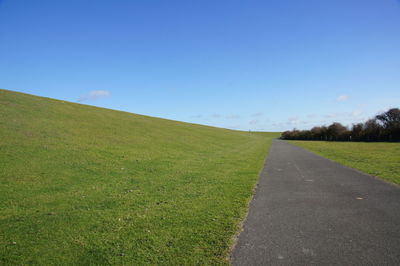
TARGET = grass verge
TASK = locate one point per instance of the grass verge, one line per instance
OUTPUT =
(380, 159)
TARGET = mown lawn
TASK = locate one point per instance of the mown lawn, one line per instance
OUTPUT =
(380, 159)
(84, 185)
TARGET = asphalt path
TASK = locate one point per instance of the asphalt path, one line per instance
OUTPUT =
(308, 210)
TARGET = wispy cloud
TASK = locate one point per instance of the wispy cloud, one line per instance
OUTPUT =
(258, 114)
(384, 109)
(235, 127)
(232, 116)
(254, 122)
(356, 113)
(345, 115)
(92, 95)
(334, 115)
(216, 116)
(342, 98)
(293, 121)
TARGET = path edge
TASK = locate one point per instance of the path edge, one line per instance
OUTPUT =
(239, 227)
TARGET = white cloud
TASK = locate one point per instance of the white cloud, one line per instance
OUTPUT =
(293, 121)
(342, 98)
(384, 109)
(92, 95)
(232, 116)
(258, 114)
(333, 115)
(235, 127)
(356, 113)
(345, 115)
(253, 122)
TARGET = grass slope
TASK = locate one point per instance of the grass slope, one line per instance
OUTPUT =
(379, 159)
(86, 185)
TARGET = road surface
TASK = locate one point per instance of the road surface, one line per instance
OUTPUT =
(308, 210)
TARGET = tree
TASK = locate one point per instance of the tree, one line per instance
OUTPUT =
(372, 130)
(316, 133)
(390, 122)
(356, 132)
(383, 127)
(324, 133)
(336, 131)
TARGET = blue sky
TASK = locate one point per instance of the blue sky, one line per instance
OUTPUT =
(249, 65)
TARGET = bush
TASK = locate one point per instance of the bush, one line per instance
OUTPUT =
(383, 127)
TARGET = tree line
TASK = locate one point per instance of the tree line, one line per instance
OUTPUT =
(383, 127)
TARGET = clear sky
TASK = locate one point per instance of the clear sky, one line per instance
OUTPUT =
(259, 65)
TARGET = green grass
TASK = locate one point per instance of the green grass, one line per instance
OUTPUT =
(85, 185)
(380, 159)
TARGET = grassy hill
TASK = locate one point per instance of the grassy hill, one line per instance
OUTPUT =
(86, 185)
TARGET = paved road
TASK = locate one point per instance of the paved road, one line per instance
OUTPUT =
(308, 210)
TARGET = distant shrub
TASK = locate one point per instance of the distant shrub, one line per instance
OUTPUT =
(383, 127)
